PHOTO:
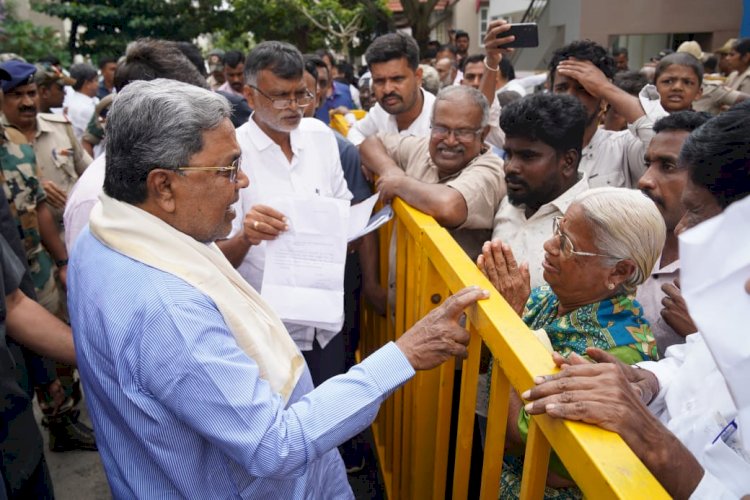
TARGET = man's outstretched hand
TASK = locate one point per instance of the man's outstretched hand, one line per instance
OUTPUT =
(439, 336)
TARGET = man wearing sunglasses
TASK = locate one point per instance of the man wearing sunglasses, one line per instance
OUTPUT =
(289, 155)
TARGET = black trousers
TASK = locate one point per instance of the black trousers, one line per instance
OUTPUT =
(327, 362)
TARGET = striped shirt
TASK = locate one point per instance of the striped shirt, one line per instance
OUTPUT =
(179, 409)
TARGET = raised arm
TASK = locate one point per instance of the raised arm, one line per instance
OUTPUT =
(596, 83)
(493, 55)
(251, 423)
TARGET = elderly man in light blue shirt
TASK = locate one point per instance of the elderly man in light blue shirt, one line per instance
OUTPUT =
(194, 386)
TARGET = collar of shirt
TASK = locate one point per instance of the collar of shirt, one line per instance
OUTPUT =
(558, 205)
(734, 78)
(421, 125)
(562, 202)
(336, 92)
(226, 87)
(40, 126)
(670, 268)
(43, 126)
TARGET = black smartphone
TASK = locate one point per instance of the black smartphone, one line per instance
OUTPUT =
(527, 35)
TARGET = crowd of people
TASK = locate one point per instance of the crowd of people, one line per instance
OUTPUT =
(592, 197)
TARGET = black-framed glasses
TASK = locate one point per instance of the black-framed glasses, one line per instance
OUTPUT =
(302, 99)
(566, 246)
(461, 134)
(230, 170)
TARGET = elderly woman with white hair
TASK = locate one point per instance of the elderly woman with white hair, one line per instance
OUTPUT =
(599, 252)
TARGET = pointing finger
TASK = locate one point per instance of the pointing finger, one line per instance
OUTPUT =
(455, 305)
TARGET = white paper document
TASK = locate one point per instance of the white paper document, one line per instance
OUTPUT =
(303, 277)
(359, 215)
(378, 219)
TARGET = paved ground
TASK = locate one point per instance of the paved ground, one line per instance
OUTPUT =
(78, 475)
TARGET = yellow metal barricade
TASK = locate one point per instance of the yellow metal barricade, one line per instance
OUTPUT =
(412, 430)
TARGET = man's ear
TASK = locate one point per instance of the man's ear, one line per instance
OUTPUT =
(160, 189)
(570, 160)
(699, 94)
(249, 95)
(418, 74)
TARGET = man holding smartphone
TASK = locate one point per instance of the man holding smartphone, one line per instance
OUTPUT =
(584, 70)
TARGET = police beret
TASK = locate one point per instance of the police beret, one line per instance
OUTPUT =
(21, 73)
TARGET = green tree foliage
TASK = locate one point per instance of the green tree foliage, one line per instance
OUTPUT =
(344, 25)
(27, 40)
(108, 25)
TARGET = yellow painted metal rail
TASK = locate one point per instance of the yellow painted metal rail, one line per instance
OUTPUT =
(413, 427)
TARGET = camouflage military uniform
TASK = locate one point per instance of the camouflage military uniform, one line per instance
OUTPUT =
(59, 156)
(22, 188)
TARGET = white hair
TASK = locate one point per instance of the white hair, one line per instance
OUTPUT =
(452, 92)
(626, 225)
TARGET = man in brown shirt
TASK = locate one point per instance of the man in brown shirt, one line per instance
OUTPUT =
(451, 174)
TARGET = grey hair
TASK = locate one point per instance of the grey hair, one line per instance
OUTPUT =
(452, 92)
(430, 79)
(626, 225)
(282, 59)
(156, 124)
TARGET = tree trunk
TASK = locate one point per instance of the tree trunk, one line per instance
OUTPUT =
(73, 38)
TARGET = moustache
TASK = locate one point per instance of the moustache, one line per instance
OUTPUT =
(450, 149)
(514, 179)
(393, 94)
(27, 109)
(652, 197)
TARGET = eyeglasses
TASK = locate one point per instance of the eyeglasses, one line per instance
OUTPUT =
(461, 134)
(302, 99)
(230, 170)
(566, 246)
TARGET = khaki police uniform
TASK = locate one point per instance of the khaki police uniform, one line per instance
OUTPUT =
(715, 96)
(741, 82)
(59, 156)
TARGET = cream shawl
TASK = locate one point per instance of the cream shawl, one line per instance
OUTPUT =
(256, 328)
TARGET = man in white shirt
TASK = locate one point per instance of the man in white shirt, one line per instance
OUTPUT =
(403, 107)
(694, 436)
(286, 155)
(664, 182)
(80, 104)
(544, 135)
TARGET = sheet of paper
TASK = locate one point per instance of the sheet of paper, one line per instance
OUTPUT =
(303, 278)
(378, 219)
(359, 215)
